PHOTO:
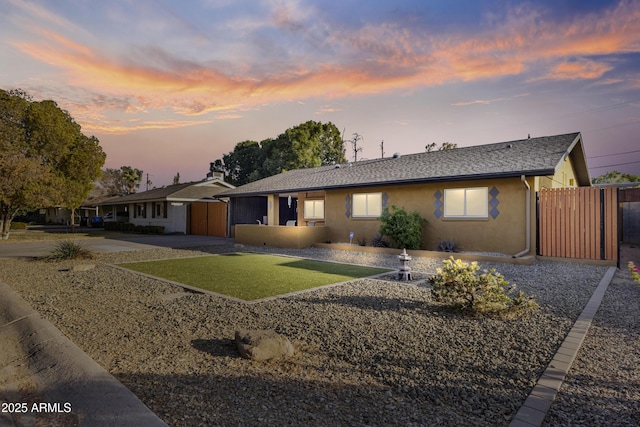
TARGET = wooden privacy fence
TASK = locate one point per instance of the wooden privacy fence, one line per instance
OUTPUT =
(209, 219)
(578, 223)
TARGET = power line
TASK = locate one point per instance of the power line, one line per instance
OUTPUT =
(610, 166)
(619, 125)
(614, 154)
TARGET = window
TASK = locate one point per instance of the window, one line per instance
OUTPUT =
(314, 209)
(140, 211)
(160, 209)
(367, 205)
(466, 203)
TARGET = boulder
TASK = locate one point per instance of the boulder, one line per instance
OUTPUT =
(263, 344)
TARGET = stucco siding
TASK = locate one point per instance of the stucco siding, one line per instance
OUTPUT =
(504, 231)
(564, 177)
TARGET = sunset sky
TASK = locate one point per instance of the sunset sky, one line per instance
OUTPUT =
(169, 86)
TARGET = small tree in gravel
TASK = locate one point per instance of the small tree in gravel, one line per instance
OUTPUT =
(459, 285)
(402, 228)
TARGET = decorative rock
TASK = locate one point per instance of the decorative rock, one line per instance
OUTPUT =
(263, 344)
(83, 267)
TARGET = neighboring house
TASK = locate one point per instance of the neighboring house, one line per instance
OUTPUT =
(482, 197)
(60, 215)
(189, 208)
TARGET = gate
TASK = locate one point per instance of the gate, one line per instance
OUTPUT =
(578, 223)
(209, 219)
(630, 206)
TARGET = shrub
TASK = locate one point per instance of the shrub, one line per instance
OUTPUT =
(635, 272)
(459, 285)
(68, 249)
(378, 241)
(448, 246)
(362, 241)
(18, 226)
(402, 228)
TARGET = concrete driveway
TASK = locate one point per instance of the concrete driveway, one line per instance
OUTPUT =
(134, 243)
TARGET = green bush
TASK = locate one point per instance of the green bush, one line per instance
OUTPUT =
(68, 249)
(18, 226)
(402, 228)
(459, 285)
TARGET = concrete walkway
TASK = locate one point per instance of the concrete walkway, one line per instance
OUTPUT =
(99, 245)
(53, 381)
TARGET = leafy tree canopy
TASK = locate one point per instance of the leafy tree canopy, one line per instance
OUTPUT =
(45, 159)
(114, 182)
(613, 177)
(307, 145)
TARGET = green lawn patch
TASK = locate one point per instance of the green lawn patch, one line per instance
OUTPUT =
(252, 276)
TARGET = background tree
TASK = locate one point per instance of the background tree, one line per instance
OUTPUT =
(116, 182)
(354, 145)
(176, 178)
(131, 179)
(613, 177)
(244, 163)
(45, 160)
(444, 146)
(307, 145)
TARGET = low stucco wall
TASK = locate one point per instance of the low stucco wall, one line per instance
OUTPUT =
(279, 236)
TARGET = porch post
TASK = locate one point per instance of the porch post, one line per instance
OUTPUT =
(273, 209)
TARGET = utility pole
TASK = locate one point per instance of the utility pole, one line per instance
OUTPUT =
(382, 149)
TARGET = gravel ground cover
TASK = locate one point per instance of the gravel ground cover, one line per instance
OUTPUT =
(603, 385)
(369, 352)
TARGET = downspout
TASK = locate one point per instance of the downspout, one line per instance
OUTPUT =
(527, 220)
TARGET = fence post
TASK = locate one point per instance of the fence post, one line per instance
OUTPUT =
(537, 223)
(602, 237)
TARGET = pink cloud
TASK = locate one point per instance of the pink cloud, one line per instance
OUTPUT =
(583, 69)
(369, 60)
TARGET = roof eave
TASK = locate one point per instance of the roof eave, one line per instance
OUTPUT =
(455, 178)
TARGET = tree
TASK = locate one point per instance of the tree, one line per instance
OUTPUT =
(613, 177)
(307, 145)
(354, 145)
(244, 163)
(131, 178)
(124, 180)
(45, 159)
(176, 178)
(444, 146)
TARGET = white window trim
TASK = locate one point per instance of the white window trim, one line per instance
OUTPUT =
(315, 204)
(367, 205)
(484, 215)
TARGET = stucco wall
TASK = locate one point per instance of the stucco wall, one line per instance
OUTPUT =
(564, 177)
(279, 236)
(505, 233)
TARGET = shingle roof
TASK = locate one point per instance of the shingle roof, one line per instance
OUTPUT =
(532, 157)
(188, 191)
